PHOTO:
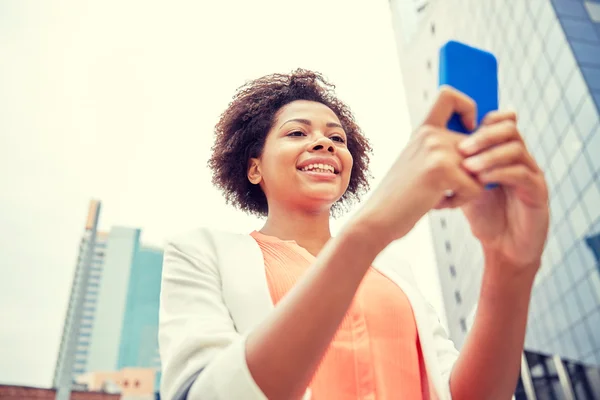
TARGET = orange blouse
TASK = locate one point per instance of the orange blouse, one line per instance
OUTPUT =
(375, 353)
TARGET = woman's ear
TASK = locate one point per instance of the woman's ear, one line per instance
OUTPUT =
(254, 175)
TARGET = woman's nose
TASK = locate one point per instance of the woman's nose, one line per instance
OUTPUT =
(323, 143)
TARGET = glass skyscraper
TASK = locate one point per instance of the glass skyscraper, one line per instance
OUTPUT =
(139, 334)
(112, 319)
(549, 72)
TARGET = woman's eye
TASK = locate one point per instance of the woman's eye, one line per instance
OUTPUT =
(296, 133)
(338, 139)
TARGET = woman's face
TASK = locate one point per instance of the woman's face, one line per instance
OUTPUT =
(305, 162)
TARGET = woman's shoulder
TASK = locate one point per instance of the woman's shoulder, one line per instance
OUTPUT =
(211, 243)
(204, 237)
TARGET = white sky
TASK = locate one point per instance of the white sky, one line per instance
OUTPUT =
(118, 100)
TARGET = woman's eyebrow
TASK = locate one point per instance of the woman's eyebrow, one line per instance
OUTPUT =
(307, 122)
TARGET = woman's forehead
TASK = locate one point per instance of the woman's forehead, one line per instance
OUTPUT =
(306, 109)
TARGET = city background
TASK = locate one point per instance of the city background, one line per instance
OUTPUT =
(107, 122)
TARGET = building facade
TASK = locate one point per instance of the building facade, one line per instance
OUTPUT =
(79, 319)
(130, 383)
(12, 392)
(549, 71)
(112, 318)
(139, 336)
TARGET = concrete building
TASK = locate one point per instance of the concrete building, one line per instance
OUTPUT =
(112, 319)
(549, 71)
(130, 383)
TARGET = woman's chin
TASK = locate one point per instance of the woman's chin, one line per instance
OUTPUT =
(320, 200)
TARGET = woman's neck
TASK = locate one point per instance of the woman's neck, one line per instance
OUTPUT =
(309, 230)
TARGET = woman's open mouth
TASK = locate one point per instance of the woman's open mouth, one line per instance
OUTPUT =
(319, 168)
(319, 171)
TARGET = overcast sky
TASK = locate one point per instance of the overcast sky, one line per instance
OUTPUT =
(117, 101)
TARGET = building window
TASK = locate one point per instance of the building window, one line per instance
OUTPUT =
(137, 383)
(448, 247)
(421, 6)
(432, 28)
(125, 383)
(443, 222)
(463, 325)
(429, 65)
(458, 297)
(424, 94)
(593, 10)
(593, 243)
(452, 271)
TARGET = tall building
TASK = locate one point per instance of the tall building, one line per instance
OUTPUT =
(77, 330)
(549, 71)
(112, 318)
(139, 335)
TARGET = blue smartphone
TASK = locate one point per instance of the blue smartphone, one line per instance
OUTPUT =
(473, 72)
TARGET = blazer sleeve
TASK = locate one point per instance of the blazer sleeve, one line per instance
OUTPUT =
(446, 352)
(202, 354)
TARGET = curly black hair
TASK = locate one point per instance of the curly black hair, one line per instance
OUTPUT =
(243, 127)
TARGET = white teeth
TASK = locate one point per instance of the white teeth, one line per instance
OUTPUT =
(319, 168)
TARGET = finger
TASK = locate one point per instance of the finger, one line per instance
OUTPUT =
(464, 189)
(508, 153)
(488, 136)
(529, 185)
(452, 101)
(494, 117)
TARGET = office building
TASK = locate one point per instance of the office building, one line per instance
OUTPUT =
(549, 71)
(112, 317)
(79, 319)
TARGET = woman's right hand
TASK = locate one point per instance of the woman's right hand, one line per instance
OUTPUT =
(427, 170)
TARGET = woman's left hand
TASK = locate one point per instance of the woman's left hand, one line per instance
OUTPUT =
(511, 220)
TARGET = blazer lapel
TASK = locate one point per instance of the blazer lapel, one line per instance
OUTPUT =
(244, 282)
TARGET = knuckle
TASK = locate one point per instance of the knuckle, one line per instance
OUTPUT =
(437, 164)
(522, 172)
(426, 130)
(517, 147)
(432, 142)
(509, 125)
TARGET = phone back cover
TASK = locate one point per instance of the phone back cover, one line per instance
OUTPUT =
(471, 71)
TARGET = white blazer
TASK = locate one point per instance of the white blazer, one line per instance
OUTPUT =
(214, 292)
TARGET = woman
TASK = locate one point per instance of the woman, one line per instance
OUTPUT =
(289, 312)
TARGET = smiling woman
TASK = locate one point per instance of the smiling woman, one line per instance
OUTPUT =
(290, 312)
(258, 109)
